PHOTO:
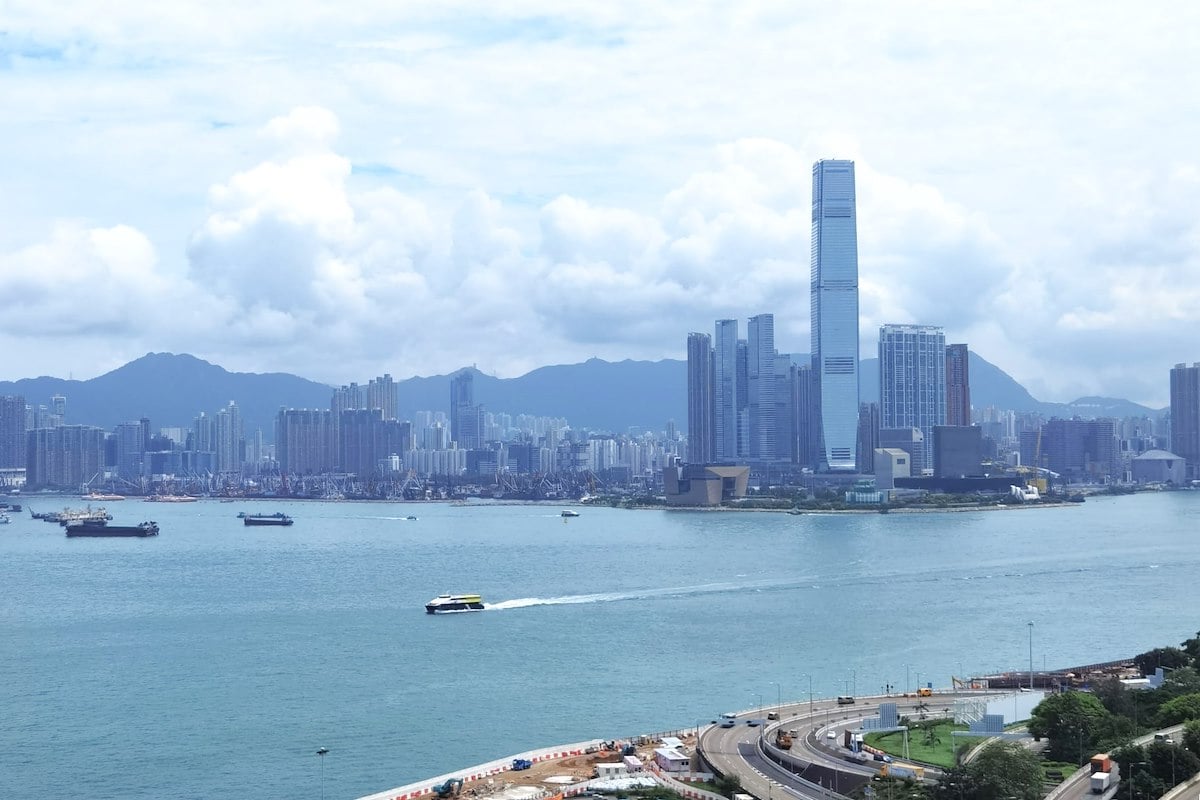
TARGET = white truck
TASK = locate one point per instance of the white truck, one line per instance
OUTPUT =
(1101, 781)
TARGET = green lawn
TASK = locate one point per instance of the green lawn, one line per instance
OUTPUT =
(939, 752)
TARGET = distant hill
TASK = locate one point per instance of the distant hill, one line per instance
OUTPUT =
(172, 390)
(600, 395)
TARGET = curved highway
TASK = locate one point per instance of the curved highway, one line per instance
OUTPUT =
(827, 773)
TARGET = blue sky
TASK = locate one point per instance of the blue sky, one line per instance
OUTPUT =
(409, 187)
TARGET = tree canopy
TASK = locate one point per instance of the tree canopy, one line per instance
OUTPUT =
(1179, 709)
(1005, 770)
(1074, 722)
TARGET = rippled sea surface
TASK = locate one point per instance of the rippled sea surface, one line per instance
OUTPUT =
(213, 660)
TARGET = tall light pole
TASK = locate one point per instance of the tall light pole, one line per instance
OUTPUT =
(778, 697)
(321, 752)
(1031, 655)
(810, 700)
(853, 682)
(906, 684)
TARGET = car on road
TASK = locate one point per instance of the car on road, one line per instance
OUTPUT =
(773, 715)
(754, 723)
(831, 734)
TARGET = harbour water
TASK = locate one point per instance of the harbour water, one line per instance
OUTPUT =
(213, 660)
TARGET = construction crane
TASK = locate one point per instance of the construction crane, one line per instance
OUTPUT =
(1038, 480)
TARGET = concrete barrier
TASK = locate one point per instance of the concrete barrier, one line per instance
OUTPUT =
(1185, 789)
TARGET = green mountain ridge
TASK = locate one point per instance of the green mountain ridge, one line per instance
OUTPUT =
(171, 390)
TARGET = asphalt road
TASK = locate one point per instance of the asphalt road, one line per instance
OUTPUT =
(1078, 786)
(825, 772)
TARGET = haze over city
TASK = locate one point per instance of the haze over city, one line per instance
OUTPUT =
(297, 188)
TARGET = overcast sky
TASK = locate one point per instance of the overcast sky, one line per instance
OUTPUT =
(339, 190)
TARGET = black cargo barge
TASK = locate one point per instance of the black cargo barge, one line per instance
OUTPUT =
(96, 530)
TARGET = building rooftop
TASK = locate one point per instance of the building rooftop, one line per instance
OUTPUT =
(1157, 455)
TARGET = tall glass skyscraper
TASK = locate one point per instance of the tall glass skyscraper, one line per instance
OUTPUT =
(700, 398)
(834, 313)
(760, 386)
(725, 390)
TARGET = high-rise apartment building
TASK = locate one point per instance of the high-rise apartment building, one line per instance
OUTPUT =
(912, 380)
(1080, 450)
(381, 394)
(958, 385)
(834, 312)
(466, 418)
(229, 435)
(66, 456)
(725, 390)
(760, 388)
(1185, 416)
(131, 445)
(302, 441)
(12, 432)
(700, 398)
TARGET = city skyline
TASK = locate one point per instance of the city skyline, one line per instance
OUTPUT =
(298, 191)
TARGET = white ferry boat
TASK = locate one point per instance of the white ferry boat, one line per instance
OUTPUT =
(453, 603)
(569, 513)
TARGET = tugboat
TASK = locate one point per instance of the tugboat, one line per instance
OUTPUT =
(278, 518)
(454, 603)
(102, 528)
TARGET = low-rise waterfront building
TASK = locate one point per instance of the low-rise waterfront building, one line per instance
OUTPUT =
(704, 484)
(1159, 466)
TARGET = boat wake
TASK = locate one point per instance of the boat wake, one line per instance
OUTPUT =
(803, 582)
(645, 594)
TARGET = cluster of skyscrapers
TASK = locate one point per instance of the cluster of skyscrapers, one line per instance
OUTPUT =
(749, 403)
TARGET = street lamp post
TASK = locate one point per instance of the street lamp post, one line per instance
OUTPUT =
(321, 752)
(778, 697)
(810, 699)
(906, 683)
(853, 682)
(1031, 655)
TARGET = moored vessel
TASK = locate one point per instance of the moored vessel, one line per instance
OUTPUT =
(69, 516)
(569, 513)
(278, 518)
(454, 603)
(98, 529)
